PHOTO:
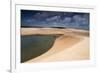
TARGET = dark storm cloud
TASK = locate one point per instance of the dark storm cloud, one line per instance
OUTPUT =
(54, 19)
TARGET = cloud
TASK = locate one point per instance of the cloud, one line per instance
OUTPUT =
(57, 19)
(67, 20)
(80, 20)
(54, 18)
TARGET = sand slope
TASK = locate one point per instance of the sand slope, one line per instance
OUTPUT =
(72, 45)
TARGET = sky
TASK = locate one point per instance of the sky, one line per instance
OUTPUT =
(34, 18)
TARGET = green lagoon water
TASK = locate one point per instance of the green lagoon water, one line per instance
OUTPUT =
(35, 45)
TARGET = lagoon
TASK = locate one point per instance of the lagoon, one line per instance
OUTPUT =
(35, 45)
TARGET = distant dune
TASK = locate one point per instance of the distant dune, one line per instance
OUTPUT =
(30, 31)
(72, 45)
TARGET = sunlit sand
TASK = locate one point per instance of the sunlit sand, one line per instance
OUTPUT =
(72, 45)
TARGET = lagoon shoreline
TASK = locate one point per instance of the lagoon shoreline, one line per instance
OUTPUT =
(72, 45)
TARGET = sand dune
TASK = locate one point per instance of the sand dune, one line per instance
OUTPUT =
(28, 31)
(72, 45)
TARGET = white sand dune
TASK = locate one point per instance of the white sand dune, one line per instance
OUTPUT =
(28, 31)
(72, 45)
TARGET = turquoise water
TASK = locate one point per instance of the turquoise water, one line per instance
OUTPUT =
(35, 45)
